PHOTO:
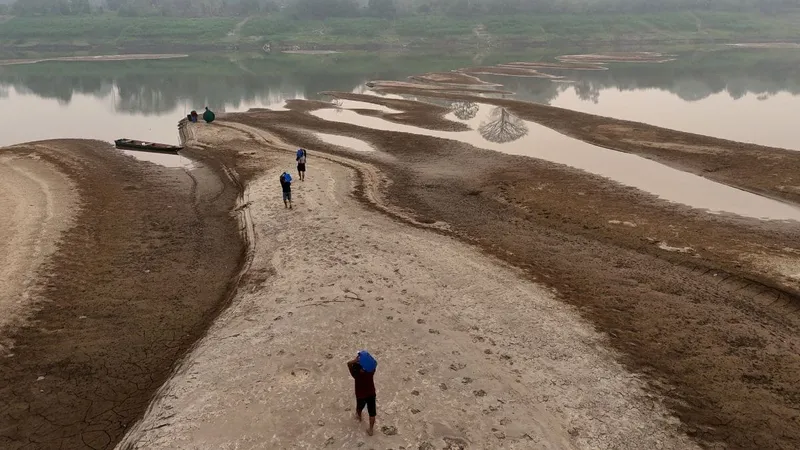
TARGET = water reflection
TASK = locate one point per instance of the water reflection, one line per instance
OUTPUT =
(502, 126)
(736, 94)
(748, 119)
(464, 110)
(345, 141)
(157, 87)
(627, 169)
(691, 77)
(162, 159)
(108, 114)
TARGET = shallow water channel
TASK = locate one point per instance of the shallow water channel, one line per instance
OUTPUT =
(494, 128)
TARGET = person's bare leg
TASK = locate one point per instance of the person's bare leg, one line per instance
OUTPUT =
(371, 425)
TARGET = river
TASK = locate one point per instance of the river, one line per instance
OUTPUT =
(738, 94)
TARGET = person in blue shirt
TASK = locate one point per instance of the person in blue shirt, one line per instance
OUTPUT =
(286, 187)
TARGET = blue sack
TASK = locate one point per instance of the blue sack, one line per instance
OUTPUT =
(366, 361)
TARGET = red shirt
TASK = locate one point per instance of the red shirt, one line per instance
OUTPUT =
(365, 386)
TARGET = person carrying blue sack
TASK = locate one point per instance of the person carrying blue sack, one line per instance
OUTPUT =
(286, 187)
(362, 368)
(301, 163)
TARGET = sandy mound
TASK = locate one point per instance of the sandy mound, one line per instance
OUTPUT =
(37, 203)
(471, 355)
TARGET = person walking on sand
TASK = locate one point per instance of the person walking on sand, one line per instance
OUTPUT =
(286, 187)
(362, 369)
(301, 163)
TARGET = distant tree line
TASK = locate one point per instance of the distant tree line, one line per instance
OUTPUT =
(388, 9)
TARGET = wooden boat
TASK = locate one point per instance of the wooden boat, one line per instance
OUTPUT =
(132, 144)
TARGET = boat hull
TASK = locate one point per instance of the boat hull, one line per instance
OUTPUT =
(143, 146)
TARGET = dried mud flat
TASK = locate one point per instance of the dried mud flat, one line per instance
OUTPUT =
(617, 57)
(712, 328)
(767, 45)
(143, 264)
(38, 204)
(471, 354)
(506, 310)
(97, 58)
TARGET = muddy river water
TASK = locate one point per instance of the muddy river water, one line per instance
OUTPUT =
(746, 95)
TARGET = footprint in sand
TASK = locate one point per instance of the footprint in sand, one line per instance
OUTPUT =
(297, 375)
(389, 430)
(454, 443)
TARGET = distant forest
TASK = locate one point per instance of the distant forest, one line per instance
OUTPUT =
(387, 9)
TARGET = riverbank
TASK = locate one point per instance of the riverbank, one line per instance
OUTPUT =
(647, 272)
(39, 203)
(98, 58)
(144, 262)
(111, 33)
(722, 160)
(455, 371)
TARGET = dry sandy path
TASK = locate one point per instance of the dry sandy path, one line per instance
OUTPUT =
(470, 354)
(37, 204)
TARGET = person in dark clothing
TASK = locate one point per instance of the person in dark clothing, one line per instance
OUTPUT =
(286, 187)
(362, 369)
(208, 115)
(301, 163)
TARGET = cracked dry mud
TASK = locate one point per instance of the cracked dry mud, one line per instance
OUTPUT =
(141, 269)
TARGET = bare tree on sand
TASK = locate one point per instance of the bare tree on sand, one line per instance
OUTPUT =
(502, 127)
(464, 110)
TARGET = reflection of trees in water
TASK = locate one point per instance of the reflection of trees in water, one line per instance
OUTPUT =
(159, 93)
(691, 78)
(587, 91)
(464, 110)
(502, 127)
(337, 105)
(60, 88)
